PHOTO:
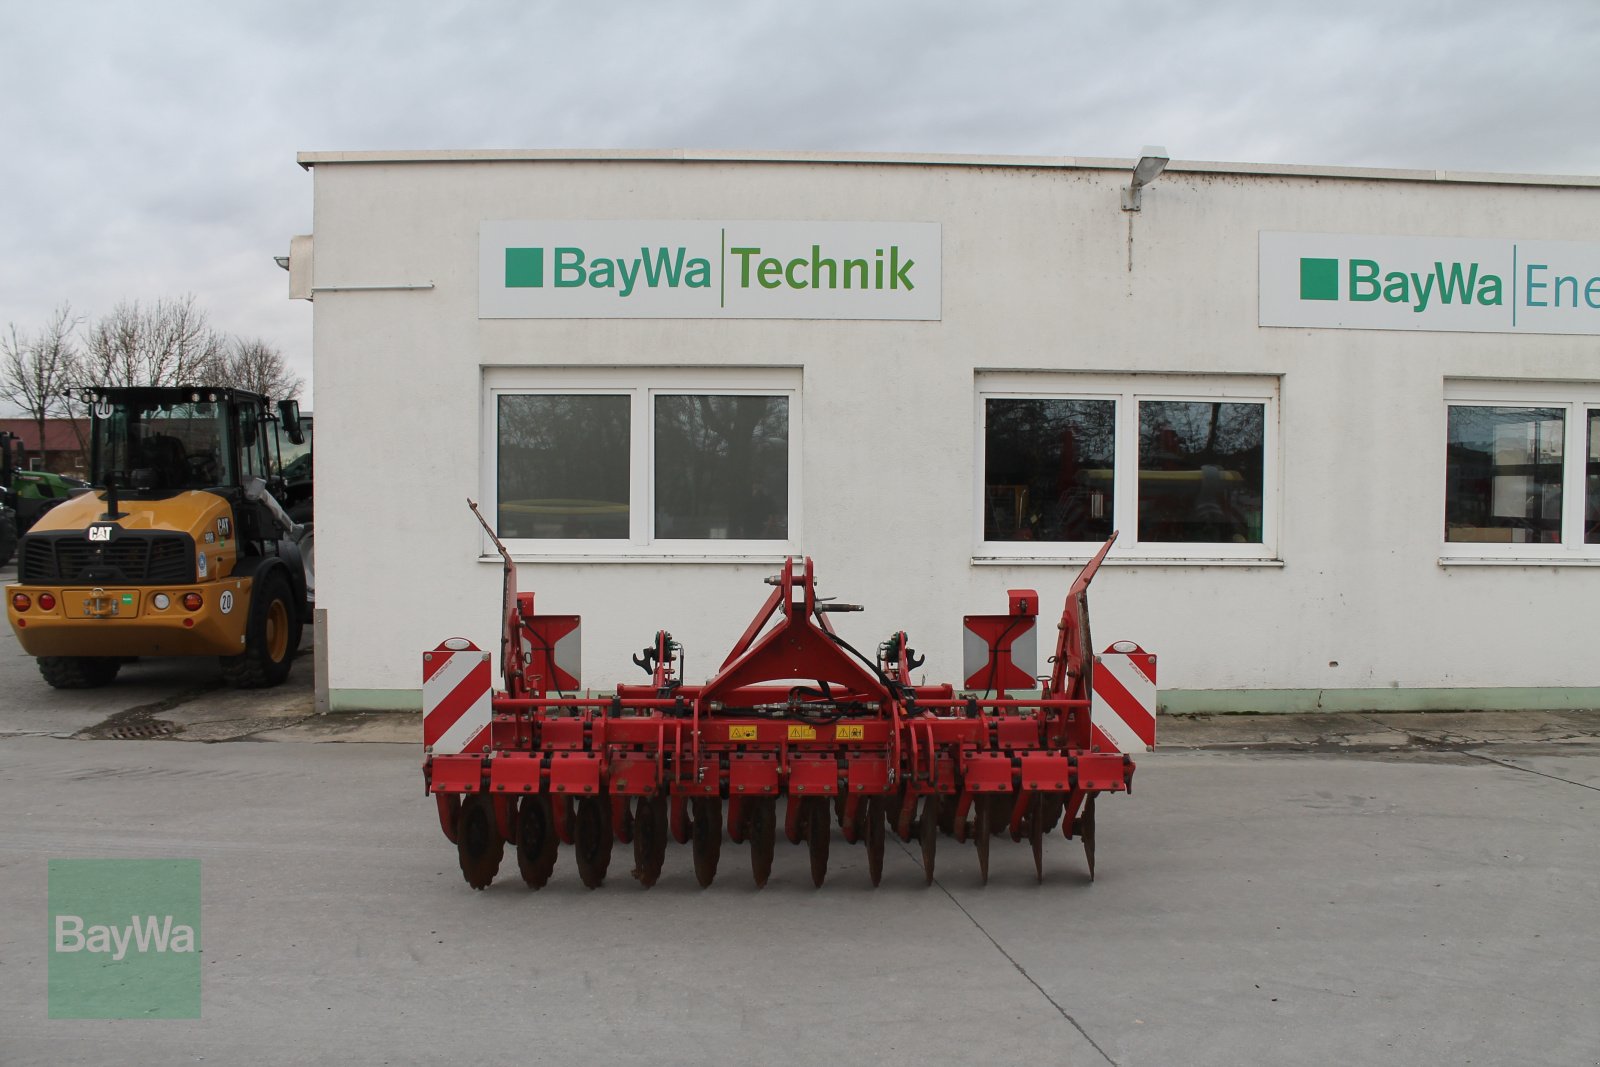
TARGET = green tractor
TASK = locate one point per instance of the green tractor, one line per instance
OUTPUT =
(8, 528)
(25, 495)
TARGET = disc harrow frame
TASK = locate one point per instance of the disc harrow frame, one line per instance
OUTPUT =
(793, 712)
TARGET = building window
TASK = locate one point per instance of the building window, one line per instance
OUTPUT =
(652, 462)
(563, 465)
(1522, 470)
(1047, 467)
(721, 466)
(1181, 467)
(1202, 471)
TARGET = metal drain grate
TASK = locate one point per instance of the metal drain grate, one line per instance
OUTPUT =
(142, 730)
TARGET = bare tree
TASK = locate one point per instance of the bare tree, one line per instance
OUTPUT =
(38, 372)
(260, 368)
(168, 343)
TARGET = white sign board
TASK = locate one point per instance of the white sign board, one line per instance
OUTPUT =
(693, 270)
(1460, 284)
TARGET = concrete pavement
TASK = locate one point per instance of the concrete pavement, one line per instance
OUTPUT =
(1412, 907)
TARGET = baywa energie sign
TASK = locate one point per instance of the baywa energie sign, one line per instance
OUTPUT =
(1460, 284)
(742, 270)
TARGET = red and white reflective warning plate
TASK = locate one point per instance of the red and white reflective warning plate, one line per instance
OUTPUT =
(1123, 711)
(456, 682)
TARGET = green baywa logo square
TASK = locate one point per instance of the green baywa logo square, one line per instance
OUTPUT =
(124, 939)
(1319, 279)
(524, 268)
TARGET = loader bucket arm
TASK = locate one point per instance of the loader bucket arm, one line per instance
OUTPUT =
(1074, 659)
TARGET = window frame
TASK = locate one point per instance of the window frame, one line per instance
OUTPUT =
(1576, 400)
(642, 385)
(1127, 391)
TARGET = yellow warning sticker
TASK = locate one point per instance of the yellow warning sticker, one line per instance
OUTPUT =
(741, 733)
(849, 733)
(802, 733)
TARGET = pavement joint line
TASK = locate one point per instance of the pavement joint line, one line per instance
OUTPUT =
(1009, 958)
(1529, 770)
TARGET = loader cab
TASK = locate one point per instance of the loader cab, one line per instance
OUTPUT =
(158, 442)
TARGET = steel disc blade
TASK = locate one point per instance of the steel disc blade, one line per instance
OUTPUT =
(980, 835)
(762, 832)
(1036, 835)
(902, 809)
(706, 836)
(591, 840)
(658, 855)
(479, 846)
(1086, 831)
(876, 824)
(1053, 803)
(649, 839)
(819, 831)
(536, 841)
(928, 833)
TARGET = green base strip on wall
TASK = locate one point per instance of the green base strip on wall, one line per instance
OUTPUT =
(1289, 701)
(1209, 701)
(375, 700)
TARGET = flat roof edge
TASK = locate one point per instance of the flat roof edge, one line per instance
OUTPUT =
(308, 160)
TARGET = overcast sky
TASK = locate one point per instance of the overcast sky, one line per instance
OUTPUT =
(149, 147)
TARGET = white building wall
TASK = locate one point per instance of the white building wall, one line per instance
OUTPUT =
(1042, 271)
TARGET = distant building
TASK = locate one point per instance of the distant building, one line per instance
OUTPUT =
(66, 445)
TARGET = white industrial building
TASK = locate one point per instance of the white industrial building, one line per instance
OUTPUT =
(1347, 422)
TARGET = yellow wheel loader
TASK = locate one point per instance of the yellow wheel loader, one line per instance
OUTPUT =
(178, 548)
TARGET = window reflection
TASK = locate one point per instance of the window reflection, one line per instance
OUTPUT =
(1048, 467)
(563, 466)
(722, 467)
(1503, 474)
(1201, 471)
(1591, 503)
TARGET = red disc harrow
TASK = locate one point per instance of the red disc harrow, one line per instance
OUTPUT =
(796, 735)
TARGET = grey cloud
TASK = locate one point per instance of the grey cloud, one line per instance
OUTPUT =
(151, 146)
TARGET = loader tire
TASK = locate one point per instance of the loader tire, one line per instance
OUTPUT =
(79, 672)
(270, 638)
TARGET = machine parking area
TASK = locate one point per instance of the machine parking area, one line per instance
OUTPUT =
(1402, 903)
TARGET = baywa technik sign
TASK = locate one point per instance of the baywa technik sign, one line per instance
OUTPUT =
(694, 270)
(1460, 284)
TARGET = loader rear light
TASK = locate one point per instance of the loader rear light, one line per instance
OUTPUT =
(21, 601)
(47, 602)
(161, 601)
(192, 601)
